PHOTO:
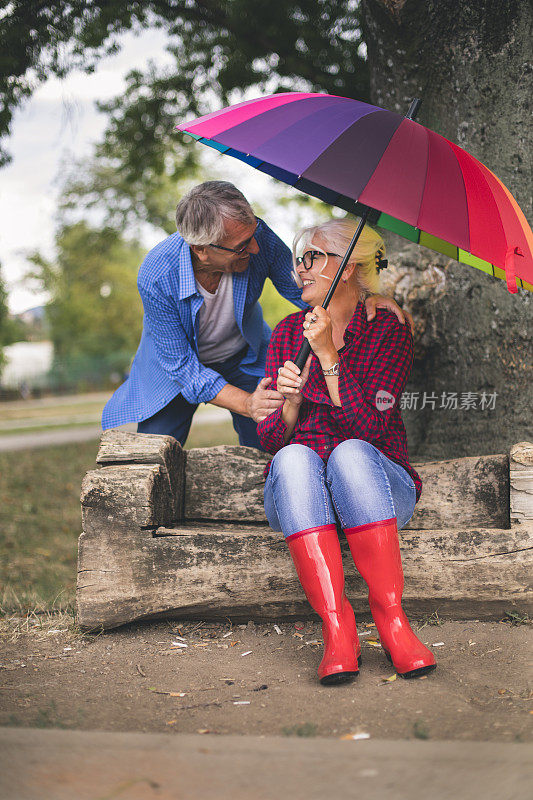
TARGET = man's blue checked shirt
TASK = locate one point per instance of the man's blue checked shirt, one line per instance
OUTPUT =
(166, 363)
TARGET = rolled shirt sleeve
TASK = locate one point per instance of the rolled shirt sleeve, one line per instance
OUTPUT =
(197, 384)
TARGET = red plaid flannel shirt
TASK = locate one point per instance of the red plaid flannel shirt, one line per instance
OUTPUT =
(377, 356)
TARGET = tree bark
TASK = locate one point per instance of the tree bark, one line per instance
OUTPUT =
(470, 62)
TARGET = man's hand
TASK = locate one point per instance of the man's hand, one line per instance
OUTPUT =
(380, 301)
(261, 403)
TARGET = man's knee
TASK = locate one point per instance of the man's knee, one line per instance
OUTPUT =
(174, 419)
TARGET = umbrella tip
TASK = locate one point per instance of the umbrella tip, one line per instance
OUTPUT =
(414, 108)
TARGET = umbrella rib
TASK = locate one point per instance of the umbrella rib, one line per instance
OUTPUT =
(480, 176)
(425, 183)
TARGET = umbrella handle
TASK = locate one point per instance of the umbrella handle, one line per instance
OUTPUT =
(303, 355)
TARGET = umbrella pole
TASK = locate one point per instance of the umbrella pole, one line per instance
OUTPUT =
(305, 349)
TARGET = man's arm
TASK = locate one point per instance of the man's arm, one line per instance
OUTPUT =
(258, 405)
(382, 301)
(197, 383)
(275, 430)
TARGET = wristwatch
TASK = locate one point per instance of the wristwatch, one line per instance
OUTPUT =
(334, 370)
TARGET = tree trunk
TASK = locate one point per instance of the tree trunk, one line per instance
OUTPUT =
(470, 64)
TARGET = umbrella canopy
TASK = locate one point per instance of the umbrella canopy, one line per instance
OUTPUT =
(355, 155)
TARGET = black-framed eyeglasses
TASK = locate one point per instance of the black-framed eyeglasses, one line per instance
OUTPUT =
(232, 249)
(310, 257)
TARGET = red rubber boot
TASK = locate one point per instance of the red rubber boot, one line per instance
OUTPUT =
(317, 557)
(376, 552)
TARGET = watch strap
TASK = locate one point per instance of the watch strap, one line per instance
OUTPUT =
(334, 370)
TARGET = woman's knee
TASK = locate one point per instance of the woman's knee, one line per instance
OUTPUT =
(295, 461)
(353, 447)
(296, 496)
(355, 456)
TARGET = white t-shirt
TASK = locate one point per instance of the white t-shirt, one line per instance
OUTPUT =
(219, 336)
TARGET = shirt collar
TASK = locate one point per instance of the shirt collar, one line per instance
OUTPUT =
(358, 322)
(186, 273)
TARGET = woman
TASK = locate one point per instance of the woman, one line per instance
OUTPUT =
(340, 448)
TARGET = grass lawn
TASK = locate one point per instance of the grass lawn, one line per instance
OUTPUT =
(22, 412)
(40, 519)
(5, 431)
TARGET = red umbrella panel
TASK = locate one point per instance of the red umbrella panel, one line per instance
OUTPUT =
(355, 155)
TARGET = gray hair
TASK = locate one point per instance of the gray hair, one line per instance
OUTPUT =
(202, 212)
(338, 233)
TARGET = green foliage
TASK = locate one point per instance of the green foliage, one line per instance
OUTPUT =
(430, 619)
(420, 730)
(3, 321)
(11, 330)
(275, 307)
(124, 199)
(517, 618)
(40, 494)
(141, 168)
(95, 307)
(219, 46)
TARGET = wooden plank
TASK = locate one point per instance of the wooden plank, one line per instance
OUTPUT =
(463, 493)
(521, 477)
(138, 494)
(120, 447)
(200, 571)
(226, 483)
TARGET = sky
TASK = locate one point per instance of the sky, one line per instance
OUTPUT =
(59, 123)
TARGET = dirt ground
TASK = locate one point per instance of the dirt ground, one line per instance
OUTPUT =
(256, 680)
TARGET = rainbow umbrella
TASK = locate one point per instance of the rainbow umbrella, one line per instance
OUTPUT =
(357, 156)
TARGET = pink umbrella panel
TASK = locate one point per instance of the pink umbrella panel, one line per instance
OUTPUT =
(354, 155)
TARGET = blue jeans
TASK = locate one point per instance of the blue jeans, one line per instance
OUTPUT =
(358, 485)
(176, 417)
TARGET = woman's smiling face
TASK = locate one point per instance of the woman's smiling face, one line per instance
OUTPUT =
(317, 278)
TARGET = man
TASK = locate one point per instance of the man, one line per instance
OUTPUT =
(204, 339)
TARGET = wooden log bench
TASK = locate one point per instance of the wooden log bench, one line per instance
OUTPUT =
(174, 533)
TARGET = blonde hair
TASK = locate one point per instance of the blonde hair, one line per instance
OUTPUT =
(338, 233)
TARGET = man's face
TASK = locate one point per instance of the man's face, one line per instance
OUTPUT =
(237, 236)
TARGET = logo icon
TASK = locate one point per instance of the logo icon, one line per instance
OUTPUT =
(384, 400)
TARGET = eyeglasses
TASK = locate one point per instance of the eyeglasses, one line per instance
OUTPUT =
(311, 256)
(232, 249)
